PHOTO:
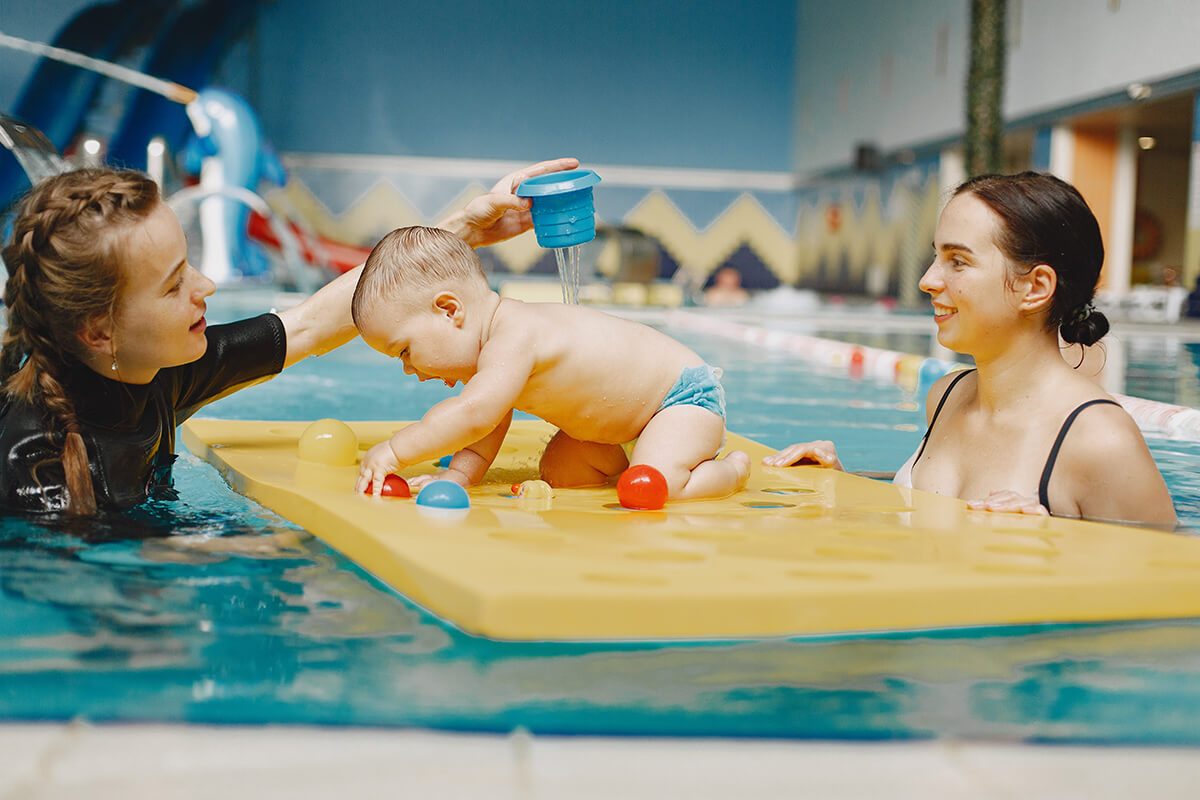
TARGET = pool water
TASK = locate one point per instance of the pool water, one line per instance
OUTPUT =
(211, 609)
(1162, 366)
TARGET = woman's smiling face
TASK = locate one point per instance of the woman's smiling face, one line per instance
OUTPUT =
(160, 312)
(968, 281)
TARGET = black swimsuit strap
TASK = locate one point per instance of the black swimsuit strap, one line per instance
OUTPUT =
(1044, 486)
(938, 410)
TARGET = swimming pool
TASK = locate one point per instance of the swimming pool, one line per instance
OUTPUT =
(1156, 362)
(237, 616)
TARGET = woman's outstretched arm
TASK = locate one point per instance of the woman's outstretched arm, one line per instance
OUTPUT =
(322, 322)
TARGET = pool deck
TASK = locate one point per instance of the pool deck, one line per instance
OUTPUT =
(42, 761)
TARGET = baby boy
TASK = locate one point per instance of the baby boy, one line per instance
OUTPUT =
(604, 382)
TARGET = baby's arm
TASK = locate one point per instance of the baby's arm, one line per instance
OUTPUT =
(505, 365)
(470, 464)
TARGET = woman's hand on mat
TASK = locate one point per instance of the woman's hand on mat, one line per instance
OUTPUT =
(377, 464)
(1010, 502)
(500, 214)
(819, 454)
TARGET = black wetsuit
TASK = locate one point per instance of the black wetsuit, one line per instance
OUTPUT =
(129, 429)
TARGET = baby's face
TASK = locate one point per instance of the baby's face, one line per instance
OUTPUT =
(429, 343)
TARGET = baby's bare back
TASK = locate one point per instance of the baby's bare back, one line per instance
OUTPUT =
(598, 377)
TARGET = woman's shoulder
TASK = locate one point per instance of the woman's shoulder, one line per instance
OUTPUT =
(1101, 424)
(1095, 431)
(1110, 469)
(19, 418)
(237, 354)
(940, 388)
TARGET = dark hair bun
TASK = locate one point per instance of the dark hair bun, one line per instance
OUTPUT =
(1086, 330)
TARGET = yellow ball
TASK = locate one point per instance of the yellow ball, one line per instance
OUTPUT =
(330, 442)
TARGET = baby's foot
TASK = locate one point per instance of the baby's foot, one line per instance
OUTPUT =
(741, 464)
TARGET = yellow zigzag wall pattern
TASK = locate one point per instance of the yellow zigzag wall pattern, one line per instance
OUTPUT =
(863, 238)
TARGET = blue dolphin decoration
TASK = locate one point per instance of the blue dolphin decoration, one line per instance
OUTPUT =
(228, 150)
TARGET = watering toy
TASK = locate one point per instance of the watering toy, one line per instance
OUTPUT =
(564, 212)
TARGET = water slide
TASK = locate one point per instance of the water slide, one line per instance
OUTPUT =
(314, 249)
(57, 96)
(186, 51)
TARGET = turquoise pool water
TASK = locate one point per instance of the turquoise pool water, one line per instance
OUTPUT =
(211, 609)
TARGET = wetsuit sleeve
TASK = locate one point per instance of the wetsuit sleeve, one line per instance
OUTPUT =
(238, 353)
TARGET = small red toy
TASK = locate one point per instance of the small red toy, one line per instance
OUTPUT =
(642, 488)
(515, 489)
(393, 486)
(857, 361)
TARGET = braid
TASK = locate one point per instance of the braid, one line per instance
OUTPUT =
(76, 470)
(13, 348)
(64, 271)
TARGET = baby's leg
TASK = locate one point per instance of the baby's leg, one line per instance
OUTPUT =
(568, 462)
(680, 442)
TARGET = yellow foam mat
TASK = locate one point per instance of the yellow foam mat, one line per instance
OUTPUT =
(801, 551)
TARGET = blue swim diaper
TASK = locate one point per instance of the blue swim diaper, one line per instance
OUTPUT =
(698, 386)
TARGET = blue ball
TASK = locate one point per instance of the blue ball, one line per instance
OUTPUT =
(443, 462)
(932, 370)
(443, 494)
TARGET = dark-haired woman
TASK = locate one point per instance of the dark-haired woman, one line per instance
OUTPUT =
(107, 348)
(1016, 261)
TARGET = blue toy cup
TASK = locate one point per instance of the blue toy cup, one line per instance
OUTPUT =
(564, 213)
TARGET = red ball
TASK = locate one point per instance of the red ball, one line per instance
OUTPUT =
(643, 488)
(393, 486)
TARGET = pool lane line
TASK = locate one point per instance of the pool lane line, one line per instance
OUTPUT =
(911, 371)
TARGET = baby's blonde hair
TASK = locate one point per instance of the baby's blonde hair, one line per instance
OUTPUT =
(409, 260)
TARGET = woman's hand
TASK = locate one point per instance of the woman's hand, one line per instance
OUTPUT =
(379, 462)
(1009, 502)
(500, 214)
(323, 322)
(820, 454)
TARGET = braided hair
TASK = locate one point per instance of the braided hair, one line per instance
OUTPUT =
(64, 272)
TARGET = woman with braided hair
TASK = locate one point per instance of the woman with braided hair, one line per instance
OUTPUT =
(107, 349)
(1016, 262)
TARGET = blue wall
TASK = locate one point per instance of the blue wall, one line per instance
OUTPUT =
(645, 82)
(649, 82)
(39, 21)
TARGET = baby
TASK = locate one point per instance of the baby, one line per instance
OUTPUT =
(604, 382)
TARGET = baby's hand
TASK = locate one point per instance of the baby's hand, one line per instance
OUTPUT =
(821, 454)
(377, 464)
(1010, 502)
(445, 475)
